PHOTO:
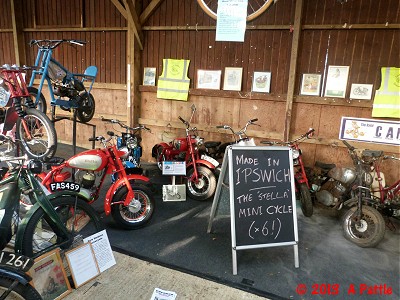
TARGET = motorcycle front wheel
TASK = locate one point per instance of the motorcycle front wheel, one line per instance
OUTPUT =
(306, 203)
(205, 186)
(37, 134)
(80, 219)
(138, 212)
(21, 291)
(366, 232)
(87, 106)
(41, 103)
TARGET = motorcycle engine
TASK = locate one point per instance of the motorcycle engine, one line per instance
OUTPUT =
(330, 193)
(88, 180)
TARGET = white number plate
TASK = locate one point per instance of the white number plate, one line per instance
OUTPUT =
(15, 260)
(65, 186)
(210, 159)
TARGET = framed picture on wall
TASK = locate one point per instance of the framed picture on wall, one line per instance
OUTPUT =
(361, 91)
(310, 84)
(336, 81)
(209, 79)
(233, 79)
(49, 277)
(261, 82)
(149, 76)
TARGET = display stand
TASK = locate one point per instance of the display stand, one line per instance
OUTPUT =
(174, 192)
(74, 120)
(261, 198)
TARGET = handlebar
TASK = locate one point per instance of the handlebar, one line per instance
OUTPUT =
(307, 135)
(18, 68)
(242, 131)
(115, 121)
(52, 44)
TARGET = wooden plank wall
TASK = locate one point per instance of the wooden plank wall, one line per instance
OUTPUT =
(327, 38)
(7, 54)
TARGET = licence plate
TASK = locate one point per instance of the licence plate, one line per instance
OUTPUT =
(210, 159)
(14, 260)
(65, 186)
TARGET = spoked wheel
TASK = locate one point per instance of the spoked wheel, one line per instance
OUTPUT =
(205, 187)
(85, 111)
(306, 203)
(365, 232)
(254, 8)
(79, 217)
(20, 292)
(138, 212)
(41, 103)
(37, 134)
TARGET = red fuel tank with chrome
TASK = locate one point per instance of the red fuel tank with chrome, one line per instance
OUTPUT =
(180, 144)
(92, 160)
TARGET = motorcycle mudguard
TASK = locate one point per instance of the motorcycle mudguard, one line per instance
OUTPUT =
(205, 163)
(114, 187)
(20, 276)
(155, 147)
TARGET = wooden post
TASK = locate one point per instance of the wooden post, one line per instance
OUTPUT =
(293, 67)
(19, 47)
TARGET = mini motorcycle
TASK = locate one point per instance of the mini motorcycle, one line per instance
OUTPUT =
(129, 142)
(128, 199)
(349, 187)
(200, 177)
(301, 180)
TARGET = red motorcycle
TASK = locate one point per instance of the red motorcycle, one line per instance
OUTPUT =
(200, 178)
(301, 181)
(128, 199)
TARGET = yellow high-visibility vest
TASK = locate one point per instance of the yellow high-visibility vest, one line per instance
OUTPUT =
(387, 98)
(173, 82)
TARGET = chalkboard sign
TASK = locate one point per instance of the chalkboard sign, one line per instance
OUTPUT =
(263, 206)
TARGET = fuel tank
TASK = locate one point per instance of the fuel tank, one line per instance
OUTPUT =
(92, 160)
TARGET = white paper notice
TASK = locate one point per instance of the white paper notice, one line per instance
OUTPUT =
(102, 250)
(160, 294)
(231, 20)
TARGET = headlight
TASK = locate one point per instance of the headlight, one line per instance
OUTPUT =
(132, 142)
(199, 141)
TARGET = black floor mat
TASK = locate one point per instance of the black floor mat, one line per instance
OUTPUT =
(177, 237)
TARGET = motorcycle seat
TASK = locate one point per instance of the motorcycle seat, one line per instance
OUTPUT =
(211, 144)
(372, 153)
(324, 166)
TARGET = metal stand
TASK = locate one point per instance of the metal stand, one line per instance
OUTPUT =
(74, 120)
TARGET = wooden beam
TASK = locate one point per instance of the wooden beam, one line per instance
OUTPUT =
(120, 8)
(133, 21)
(149, 10)
(17, 18)
(293, 68)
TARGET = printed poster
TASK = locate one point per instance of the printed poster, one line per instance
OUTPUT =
(231, 20)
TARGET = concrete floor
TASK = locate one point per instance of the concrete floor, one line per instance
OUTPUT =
(135, 279)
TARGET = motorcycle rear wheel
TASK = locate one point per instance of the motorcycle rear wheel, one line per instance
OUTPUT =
(86, 109)
(306, 203)
(206, 186)
(140, 210)
(21, 291)
(368, 232)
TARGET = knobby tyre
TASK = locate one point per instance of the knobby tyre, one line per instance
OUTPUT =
(138, 212)
(41, 104)
(205, 187)
(79, 217)
(38, 137)
(86, 109)
(306, 203)
(368, 232)
(20, 291)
